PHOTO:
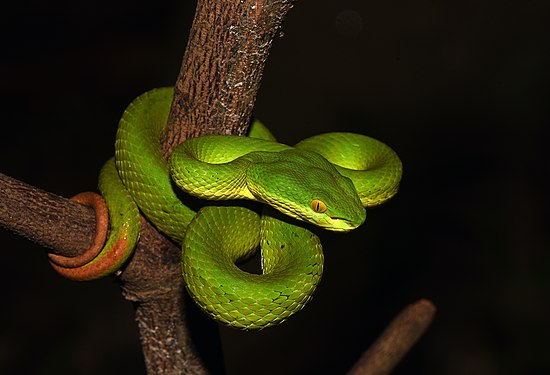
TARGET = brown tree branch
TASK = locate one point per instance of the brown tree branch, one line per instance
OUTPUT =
(396, 340)
(222, 68)
(52, 221)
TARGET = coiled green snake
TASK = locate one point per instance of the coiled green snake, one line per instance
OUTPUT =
(326, 180)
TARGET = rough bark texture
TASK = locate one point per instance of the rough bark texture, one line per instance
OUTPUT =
(52, 221)
(222, 68)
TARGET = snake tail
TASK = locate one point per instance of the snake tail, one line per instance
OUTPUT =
(125, 224)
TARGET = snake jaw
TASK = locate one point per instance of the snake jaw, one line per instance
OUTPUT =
(342, 225)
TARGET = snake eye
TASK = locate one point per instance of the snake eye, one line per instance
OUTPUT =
(318, 205)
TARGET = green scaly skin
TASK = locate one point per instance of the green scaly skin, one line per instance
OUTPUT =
(287, 178)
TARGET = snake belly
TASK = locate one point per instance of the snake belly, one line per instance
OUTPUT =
(219, 236)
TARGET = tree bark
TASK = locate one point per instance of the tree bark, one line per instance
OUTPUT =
(222, 68)
(52, 221)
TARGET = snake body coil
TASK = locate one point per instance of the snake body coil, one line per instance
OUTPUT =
(325, 180)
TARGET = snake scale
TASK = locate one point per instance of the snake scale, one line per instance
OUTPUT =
(326, 180)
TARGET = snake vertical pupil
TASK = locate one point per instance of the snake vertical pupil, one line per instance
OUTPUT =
(318, 205)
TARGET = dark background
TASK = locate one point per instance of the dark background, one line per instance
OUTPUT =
(460, 89)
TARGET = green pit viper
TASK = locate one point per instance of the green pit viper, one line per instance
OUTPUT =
(326, 180)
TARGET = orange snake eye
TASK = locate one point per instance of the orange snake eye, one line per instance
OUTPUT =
(318, 205)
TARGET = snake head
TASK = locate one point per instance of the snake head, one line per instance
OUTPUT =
(304, 185)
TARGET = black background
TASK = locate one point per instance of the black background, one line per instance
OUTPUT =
(459, 89)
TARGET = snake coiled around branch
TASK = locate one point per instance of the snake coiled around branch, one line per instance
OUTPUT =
(326, 180)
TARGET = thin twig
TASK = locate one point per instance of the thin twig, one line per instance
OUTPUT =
(396, 340)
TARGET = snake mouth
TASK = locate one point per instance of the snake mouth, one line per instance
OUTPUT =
(338, 224)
